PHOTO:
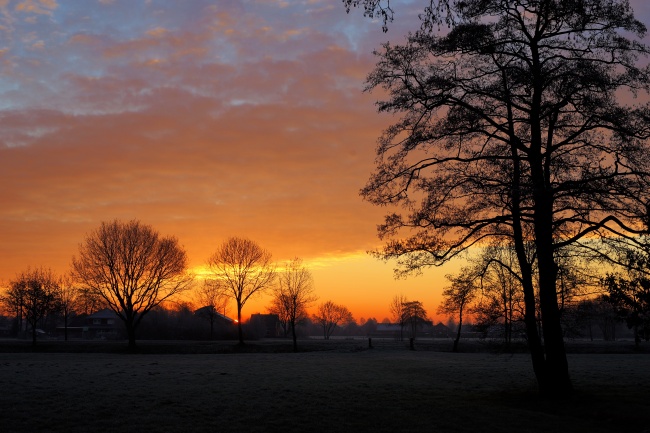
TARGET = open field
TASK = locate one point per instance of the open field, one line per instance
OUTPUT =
(336, 389)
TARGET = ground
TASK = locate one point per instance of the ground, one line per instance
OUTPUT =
(342, 386)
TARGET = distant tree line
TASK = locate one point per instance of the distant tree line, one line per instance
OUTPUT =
(130, 269)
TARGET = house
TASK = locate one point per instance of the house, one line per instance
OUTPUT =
(389, 330)
(209, 312)
(265, 325)
(441, 331)
(104, 324)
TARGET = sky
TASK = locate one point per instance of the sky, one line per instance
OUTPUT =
(205, 119)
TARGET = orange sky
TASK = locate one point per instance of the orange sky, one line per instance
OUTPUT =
(206, 120)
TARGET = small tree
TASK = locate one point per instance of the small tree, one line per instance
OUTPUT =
(132, 268)
(212, 302)
(330, 315)
(631, 298)
(414, 315)
(292, 295)
(242, 269)
(629, 290)
(88, 301)
(501, 295)
(32, 295)
(457, 298)
(67, 294)
(396, 309)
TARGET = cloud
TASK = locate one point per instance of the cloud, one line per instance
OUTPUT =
(204, 121)
(41, 7)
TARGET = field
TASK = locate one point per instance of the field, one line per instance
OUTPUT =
(335, 387)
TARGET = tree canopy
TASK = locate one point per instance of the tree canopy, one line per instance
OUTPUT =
(242, 268)
(132, 268)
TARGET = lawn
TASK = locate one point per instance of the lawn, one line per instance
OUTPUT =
(339, 390)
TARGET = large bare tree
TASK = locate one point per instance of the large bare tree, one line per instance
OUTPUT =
(292, 294)
(132, 268)
(242, 269)
(517, 126)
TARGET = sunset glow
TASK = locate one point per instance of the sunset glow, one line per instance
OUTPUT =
(206, 120)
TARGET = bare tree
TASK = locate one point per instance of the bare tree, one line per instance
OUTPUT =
(330, 315)
(32, 295)
(243, 269)
(132, 268)
(457, 297)
(211, 301)
(89, 302)
(12, 302)
(628, 290)
(67, 294)
(279, 310)
(292, 295)
(501, 295)
(512, 129)
(414, 315)
(396, 309)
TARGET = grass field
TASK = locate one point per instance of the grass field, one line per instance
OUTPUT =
(335, 389)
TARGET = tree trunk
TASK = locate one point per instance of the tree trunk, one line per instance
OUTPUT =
(240, 332)
(457, 339)
(553, 379)
(555, 382)
(295, 339)
(130, 332)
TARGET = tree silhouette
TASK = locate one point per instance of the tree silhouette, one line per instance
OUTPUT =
(242, 269)
(396, 308)
(32, 295)
(515, 128)
(212, 302)
(330, 315)
(292, 295)
(413, 315)
(132, 268)
(67, 294)
(629, 290)
(457, 297)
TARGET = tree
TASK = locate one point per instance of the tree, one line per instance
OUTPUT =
(132, 268)
(457, 297)
(330, 315)
(67, 294)
(396, 309)
(242, 269)
(292, 295)
(212, 302)
(631, 297)
(88, 302)
(629, 291)
(413, 315)
(501, 295)
(516, 128)
(32, 295)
